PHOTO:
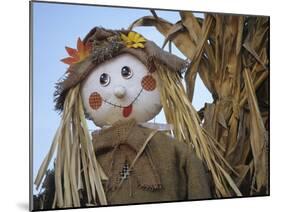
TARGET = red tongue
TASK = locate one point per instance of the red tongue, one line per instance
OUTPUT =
(127, 110)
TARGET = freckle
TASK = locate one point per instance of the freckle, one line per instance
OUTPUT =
(148, 83)
(95, 100)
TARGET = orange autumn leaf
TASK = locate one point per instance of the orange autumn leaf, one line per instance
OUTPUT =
(77, 55)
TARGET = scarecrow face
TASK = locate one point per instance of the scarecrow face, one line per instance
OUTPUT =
(119, 89)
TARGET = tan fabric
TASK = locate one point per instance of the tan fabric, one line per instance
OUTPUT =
(170, 165)
(123, 151)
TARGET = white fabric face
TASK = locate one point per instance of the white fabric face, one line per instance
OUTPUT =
(119, 89)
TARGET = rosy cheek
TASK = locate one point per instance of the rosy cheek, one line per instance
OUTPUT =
(95, 100)
(148, 83)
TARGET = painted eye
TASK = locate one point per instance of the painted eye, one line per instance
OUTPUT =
(126, 72)
(104, 79)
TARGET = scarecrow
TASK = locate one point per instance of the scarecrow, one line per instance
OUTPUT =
(120, 81)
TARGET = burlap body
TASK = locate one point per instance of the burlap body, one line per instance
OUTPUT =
(168, 170)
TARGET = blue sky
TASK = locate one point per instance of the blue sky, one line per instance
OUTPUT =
(58, 25)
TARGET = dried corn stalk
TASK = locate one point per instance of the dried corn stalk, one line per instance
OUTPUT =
(230, 54)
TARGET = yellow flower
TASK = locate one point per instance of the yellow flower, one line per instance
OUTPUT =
(133, 40)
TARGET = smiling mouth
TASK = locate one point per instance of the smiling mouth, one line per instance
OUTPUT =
(120, 106)
(127, 110)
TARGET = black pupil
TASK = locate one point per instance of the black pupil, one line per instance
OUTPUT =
(126, 71)
(104, 79)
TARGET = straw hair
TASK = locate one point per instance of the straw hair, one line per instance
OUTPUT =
(180, 113)
(75, 158)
